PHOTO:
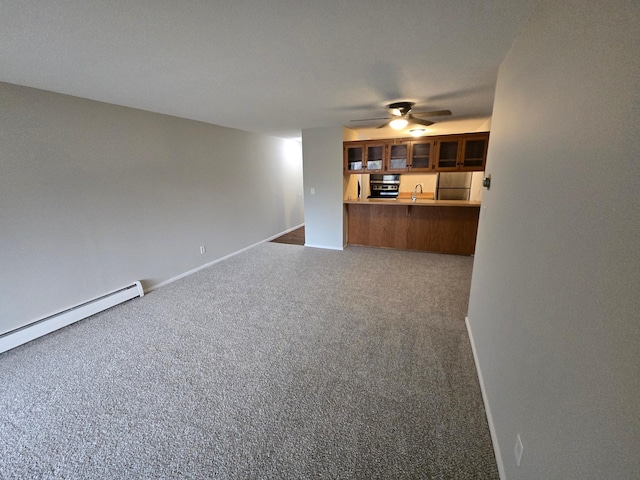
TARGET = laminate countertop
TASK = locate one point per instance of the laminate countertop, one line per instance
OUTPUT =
(407, 201)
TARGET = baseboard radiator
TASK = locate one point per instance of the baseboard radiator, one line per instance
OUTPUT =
(66, 317)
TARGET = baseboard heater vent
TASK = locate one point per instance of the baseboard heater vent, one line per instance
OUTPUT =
(58, 320)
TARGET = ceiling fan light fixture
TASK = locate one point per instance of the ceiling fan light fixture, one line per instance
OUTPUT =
(417, 132)
(398, 123)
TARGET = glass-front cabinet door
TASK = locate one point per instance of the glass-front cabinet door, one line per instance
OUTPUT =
(442, 153)
(448, 153)
(398, 158)
(474, 151)
(421, 156)
(374, 156)
(354, 157)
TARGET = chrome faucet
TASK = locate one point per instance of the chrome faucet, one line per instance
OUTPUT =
(414, 195)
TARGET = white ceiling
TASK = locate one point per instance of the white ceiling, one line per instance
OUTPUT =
(268, 66)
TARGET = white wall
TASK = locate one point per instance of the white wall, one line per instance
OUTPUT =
(323, 215)
(94, 196)
(554, 310)
(475, 193)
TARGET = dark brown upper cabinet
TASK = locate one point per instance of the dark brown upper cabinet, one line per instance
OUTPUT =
(398, 159)
(443, 153)
(474, 151)
(447, 153)
(375, 152)
(353, 153)
(421, 156)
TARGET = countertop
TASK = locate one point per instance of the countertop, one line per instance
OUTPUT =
(407, 201)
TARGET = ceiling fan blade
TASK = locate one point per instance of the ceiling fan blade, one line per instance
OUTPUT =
(435, 113)
(419, 121)
(385, 124)
(369, 119)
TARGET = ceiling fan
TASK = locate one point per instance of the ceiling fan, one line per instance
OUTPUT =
(401, 116)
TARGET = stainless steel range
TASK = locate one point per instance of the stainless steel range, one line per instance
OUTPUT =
(384, 186)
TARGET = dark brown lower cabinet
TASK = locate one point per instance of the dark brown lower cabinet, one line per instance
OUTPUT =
(377, 226)
(443, 229)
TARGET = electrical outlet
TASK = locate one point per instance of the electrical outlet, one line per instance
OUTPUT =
(203, 249)
(518, 449)
(313, 191)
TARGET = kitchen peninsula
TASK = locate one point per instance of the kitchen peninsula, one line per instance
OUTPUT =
(386, 216)
(444, 226)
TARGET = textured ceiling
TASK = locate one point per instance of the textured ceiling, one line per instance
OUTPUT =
(273, 67)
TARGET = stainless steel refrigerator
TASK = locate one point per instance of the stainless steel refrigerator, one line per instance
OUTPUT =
(453, 186)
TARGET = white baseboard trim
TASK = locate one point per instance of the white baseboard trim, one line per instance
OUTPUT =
(492, 429)
(325, 247)
(63, 318)
(217, 260)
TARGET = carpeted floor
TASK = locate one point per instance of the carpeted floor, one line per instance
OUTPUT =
(280, 362)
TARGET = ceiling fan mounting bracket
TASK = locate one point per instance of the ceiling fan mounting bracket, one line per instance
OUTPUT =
(400, 108)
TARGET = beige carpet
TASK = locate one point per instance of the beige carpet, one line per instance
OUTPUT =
(281, 362)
